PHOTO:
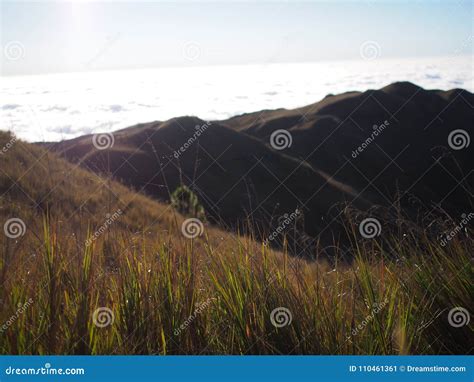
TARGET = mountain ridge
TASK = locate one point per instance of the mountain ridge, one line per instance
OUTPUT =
(240, 175)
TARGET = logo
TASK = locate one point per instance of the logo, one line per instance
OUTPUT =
(370, 228)
(281, 317)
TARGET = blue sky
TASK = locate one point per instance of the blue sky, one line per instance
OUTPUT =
(81, 36)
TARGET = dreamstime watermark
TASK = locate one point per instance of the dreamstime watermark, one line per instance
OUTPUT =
(376, 308)
(14, 228)
(370, 228)
(14, 51)
(192, 228)
(200, 308)
(377, 131)
(21, 309)
(281, 317)
(281, 139)
(103, 141)
(103, 317)
(191, 51)
(458, 317)
(283, 222)
(192, 139)
(465, 220)
(108, 222)
(370, 50)
(8, 145)
(459, 139)
(46, 370)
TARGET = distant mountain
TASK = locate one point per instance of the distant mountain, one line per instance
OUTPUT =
(409, 156)
(401, 147)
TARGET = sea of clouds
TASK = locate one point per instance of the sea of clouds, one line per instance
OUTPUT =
(62, 106)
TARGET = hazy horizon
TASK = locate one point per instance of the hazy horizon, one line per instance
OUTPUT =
(63, 106)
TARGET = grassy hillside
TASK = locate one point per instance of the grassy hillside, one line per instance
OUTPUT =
(74, 280)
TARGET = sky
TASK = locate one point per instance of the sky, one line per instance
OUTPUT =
(49, 37)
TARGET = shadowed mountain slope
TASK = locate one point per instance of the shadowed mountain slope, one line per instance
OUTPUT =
(391, 147)
(409, 157)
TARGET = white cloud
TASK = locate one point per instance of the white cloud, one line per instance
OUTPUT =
(63, 106)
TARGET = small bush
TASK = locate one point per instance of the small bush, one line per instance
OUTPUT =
(187, 203)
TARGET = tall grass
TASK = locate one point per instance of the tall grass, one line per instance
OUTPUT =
(154, 288)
